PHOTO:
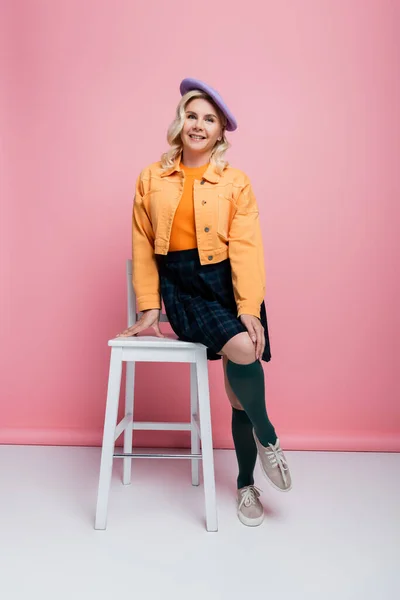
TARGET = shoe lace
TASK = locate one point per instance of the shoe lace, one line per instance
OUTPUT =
(250, 494)
(277, 459)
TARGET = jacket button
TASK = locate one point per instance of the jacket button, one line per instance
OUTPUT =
(204, 202)
(202, 182)
(210, 257)
(206, 229)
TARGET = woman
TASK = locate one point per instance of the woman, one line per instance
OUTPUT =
(197, 245)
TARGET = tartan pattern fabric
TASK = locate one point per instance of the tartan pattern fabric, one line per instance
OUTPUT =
(200, 303)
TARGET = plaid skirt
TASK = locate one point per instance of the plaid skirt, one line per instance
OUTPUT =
(200, 303)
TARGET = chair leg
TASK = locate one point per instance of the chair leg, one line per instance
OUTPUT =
(194, 411)
(206, 440)
(128, 433)
(107, 452)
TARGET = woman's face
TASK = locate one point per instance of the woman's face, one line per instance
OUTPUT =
(202, 126)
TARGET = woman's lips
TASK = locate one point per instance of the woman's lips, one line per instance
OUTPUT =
(197, 139)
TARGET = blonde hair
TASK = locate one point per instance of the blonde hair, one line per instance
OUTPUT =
(174, 134)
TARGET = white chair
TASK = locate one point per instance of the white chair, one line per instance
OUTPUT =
(154, 349)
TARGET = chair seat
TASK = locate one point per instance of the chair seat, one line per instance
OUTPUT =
(169, 341)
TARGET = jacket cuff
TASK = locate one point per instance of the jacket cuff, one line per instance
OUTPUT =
(149, 301)
(249, 308)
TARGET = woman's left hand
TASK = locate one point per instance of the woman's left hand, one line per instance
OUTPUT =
(256, 333)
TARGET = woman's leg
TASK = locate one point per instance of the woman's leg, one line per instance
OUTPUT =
(242, 433)
(246, 379)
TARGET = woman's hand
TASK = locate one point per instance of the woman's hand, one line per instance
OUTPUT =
(256, 333)
(149, 318)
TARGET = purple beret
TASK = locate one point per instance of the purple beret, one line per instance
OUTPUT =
(189, 84)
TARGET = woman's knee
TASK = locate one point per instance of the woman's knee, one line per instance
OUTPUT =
(240, 349)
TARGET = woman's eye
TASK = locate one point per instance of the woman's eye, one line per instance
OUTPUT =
(210, 119)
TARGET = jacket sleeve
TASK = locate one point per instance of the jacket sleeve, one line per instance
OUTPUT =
(246, 254)
(145, 278)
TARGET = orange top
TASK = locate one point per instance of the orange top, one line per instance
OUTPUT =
(183, 233)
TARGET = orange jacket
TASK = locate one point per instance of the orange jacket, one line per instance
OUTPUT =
(227, 226)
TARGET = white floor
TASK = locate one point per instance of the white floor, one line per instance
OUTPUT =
(336, 535)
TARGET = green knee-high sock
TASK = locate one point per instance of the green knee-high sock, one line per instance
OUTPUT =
(247, 382)
(245, 447)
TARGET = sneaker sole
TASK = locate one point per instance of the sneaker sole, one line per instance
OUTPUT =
(250, 522)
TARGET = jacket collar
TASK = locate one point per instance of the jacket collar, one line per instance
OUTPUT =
(210, 175)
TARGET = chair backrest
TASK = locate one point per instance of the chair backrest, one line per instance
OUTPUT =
(133, 316)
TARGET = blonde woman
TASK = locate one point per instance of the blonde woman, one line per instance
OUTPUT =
(197, 245)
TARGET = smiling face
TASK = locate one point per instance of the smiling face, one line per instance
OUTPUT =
(201, 129)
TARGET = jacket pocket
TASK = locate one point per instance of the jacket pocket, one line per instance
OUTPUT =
(224, 216)
(153, 202)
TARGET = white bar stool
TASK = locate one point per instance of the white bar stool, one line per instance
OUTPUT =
(154, 349)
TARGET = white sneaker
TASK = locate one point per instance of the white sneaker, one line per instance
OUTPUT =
(250, 510)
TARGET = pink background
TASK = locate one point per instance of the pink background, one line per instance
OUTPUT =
(88, 91)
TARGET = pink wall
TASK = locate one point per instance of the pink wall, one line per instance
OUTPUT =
(88, 93)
